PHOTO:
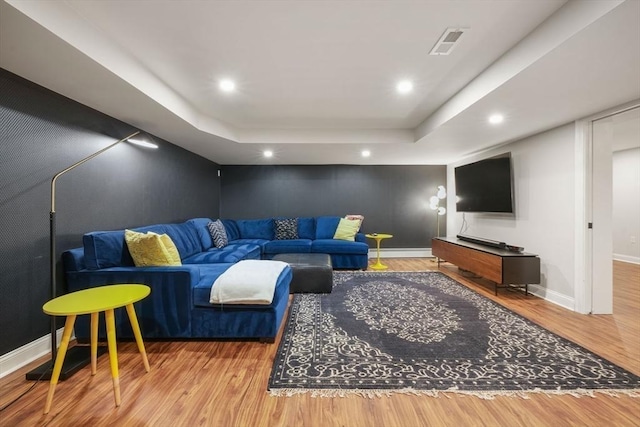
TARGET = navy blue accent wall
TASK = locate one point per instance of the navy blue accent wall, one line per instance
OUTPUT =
(42, 133)
(393, 199)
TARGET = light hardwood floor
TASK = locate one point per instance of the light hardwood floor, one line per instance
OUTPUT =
(224, 383)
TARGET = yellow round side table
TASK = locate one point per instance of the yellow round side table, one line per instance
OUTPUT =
(378, 238)
(92, 301)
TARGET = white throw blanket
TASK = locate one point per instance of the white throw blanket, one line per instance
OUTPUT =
(247, 282)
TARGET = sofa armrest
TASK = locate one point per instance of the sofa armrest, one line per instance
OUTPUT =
(360, 237)
(183, 277)
(166, 312)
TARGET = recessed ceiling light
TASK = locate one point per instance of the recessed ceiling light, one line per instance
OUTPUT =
(227, 85)
(405, 86)
(268, 153)
(366, 153)
(496, 118)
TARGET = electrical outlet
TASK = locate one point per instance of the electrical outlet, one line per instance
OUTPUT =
(632, 239)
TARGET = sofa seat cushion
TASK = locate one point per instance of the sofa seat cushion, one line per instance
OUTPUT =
(260, 242)
(248, 282)
(253, 250)
(233, 252)
(286, 246)
(333, 246)
(202, 290)
(208, 274)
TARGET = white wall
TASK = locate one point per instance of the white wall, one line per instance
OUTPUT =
(544, 192)
(626, 205)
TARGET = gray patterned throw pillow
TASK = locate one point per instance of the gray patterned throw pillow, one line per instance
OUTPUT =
(286, 229)
(218, 234)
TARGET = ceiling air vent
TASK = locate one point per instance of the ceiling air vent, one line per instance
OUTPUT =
(447, 41)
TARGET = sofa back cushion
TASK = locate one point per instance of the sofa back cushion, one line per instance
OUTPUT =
(104, 249)
(326, 226)
(184, 236)
(200, 225)
(256, 228)
(307, 228)
(231, 228)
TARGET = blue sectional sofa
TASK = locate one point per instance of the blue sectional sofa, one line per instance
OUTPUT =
(315, 235)
(179, 306)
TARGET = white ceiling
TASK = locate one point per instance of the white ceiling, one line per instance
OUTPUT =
(316, 79)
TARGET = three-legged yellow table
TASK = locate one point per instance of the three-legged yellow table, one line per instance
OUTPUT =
(92, 301)
(378, 237)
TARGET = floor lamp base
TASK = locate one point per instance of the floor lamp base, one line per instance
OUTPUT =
(77, 357)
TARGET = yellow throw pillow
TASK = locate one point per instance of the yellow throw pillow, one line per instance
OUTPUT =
(147, 249)
(358, 218)
(347, 229)
(174, 255)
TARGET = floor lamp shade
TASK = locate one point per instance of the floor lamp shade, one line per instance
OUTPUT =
(434, 204)
(80, 357)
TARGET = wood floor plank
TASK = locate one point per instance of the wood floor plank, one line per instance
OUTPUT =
(215, 383)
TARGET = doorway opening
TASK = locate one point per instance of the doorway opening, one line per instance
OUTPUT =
(612, 204)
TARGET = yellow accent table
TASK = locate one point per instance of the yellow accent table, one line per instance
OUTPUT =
(378, 238)
(92, 301)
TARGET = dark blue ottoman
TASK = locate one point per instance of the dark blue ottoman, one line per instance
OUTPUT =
(312, 273)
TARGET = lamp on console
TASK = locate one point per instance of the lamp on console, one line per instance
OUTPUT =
(77, 356)
(434, 204)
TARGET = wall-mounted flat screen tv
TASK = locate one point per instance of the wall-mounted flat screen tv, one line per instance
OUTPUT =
(485, 186)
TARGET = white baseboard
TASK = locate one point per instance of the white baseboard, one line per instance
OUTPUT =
(26, 354)
(401, 253)
(626, 258)
(554, 297)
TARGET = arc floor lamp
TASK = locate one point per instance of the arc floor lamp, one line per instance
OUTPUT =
(78, 356)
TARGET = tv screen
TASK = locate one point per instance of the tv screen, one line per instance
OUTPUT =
(485, 186)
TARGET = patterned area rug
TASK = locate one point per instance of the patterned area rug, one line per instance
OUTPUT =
(424, 333)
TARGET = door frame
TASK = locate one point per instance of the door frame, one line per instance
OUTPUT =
(583, 243)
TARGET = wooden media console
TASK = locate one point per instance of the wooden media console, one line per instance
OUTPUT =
(504, 268)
